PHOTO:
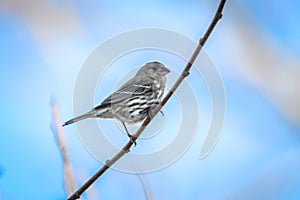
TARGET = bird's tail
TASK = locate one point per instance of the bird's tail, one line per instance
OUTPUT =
(81, 117)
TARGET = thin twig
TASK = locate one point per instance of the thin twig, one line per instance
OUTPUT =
(146, 188)
(128, 145)
(69, 180)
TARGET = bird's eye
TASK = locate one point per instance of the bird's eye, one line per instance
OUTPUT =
(154, 68)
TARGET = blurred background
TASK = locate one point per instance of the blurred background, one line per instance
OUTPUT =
(255, 47)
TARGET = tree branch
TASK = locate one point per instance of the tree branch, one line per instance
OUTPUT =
(69, 180)
(146, 187)
(184, 74)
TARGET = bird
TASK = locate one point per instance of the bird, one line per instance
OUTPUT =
(134, 100)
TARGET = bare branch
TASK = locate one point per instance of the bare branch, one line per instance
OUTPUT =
(146, 188)
(184, 74)
(69, 181)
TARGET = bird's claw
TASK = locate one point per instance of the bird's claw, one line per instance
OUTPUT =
(162, 113)
(132, 140)
(130, 136)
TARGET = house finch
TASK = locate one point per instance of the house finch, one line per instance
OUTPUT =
(133, 101)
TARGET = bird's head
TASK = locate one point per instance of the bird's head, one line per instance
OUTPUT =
(153, 69)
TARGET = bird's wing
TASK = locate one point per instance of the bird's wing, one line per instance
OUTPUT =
(134, 87)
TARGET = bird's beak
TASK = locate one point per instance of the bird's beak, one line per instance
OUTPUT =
(166, 71)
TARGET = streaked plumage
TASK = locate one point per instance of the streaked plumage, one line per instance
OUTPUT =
(135, 99)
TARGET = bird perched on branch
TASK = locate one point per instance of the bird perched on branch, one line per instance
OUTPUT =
(134, 100)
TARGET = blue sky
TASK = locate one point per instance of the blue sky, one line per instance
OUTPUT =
(44, 46)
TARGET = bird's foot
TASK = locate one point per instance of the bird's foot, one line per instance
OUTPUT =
(132, 139)
(130, 136)
(162, 113)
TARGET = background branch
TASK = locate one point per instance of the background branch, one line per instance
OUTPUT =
(69, 180)
(184, 74)
(146, 187)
